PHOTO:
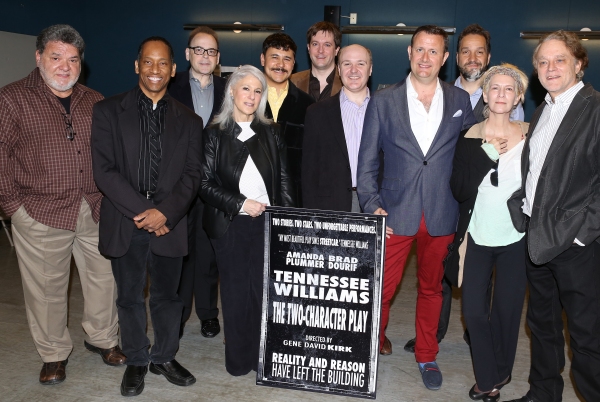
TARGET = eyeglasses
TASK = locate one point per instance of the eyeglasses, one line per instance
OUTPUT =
(70, 132)
(494, 175)
(200, 51)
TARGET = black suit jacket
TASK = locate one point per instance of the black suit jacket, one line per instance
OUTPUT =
(291, 119)
(326, 176)
(180, 89)
(115, 154)
(567, 197)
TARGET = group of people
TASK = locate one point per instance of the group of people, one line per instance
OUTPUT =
(171, 178)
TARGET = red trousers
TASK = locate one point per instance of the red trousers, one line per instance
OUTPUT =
(431, 251)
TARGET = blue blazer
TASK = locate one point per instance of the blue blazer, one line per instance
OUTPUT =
(413, 184)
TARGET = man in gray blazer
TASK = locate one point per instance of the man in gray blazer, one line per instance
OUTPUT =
(559, 207)
(416, 124)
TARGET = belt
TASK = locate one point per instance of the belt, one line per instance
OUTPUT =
(148, 194)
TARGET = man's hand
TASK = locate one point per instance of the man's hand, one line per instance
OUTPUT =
(254, 208)
(151, 220)
(388, 230)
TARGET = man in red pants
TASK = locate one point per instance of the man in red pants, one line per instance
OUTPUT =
(416, 124)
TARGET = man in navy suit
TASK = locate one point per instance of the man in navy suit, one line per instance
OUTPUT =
(201, 91)
(416, 124)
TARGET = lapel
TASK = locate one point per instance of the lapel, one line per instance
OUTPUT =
(576, 109)
(170, 138)
(219, 91)
(129, 130)
(449, 109)
(336, 126)
(399, 96)
(287, 107)
(525, 154)
(260, 155)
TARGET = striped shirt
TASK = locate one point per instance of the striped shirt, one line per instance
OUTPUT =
(542, 138)
(40, 168)
(353, 117)
(152, 128)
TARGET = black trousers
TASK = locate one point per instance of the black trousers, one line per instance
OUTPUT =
(494, 333)
(570, 281)
(240, 256)
(199, 277)
(130, 273)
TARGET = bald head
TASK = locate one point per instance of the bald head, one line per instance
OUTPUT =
(355, 67)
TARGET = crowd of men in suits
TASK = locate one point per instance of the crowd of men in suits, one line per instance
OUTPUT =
(129, 207)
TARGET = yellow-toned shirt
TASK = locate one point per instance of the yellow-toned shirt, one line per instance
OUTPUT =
(275, 101)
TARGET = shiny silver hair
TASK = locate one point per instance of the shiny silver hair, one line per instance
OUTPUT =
(225, 116)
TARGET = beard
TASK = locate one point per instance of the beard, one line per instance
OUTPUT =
(52, 83)
(470, 74)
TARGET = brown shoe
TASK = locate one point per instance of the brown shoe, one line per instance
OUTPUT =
(53, 373)
(113, 356)
(386, 349)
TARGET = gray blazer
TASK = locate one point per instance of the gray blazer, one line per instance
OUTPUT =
(413, 184)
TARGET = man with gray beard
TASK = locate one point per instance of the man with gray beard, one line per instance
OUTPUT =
(47, 189)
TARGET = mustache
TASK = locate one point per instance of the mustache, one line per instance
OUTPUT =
(281, 69)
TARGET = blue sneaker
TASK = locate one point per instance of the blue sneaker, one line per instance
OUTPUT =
(431, 374)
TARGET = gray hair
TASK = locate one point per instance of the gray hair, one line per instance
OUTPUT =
(60, 33)
(225, 116)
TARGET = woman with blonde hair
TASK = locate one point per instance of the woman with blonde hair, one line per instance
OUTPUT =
(486, 172)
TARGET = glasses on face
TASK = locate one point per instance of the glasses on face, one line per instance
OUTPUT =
(70, 132)
(494, 175)
(200, 51)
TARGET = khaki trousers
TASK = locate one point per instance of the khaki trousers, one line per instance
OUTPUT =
(44, 256)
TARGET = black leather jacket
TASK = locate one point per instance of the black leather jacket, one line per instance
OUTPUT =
(224, 158)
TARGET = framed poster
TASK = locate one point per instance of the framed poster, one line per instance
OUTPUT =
(321, 301)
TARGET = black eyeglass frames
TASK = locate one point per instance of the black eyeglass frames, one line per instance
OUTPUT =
(200, 51)
(70, 132)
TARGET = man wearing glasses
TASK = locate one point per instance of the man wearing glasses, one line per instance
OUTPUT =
(47, 188)
(201, 91)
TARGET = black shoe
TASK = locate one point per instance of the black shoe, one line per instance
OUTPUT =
(210, 328)
(410, 346)
(174, 373)
(133, 380)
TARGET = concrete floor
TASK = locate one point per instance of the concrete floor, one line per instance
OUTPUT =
(88, 379)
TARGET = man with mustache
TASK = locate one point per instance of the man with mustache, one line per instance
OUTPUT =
(472, 57)
(47, 189)
(286, 104)
(201, 91)
(322, 80)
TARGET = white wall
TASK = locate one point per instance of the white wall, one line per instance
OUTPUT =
(18, 53)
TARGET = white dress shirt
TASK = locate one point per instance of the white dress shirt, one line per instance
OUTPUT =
(424, 125)
(542, 138)
(252, 185)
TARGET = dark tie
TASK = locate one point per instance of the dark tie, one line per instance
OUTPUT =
(155, 149)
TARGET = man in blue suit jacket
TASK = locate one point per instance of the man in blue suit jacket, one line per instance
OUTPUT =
(416, 124)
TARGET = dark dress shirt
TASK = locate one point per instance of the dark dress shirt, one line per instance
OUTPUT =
(315, 87)
(152, 127)
(40, 168)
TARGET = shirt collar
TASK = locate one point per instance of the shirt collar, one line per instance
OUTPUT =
(566, 97)
(344, 97)
(458, 84)
(411, 90)
(274, 90)
(144, 101)
(210, 80)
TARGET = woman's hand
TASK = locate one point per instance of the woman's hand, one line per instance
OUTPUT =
(501, 144)
(254, 208)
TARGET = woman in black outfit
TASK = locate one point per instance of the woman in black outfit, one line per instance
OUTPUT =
(486, 172)
(243, 171)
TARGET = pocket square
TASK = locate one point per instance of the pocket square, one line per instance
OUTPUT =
(458, 113)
